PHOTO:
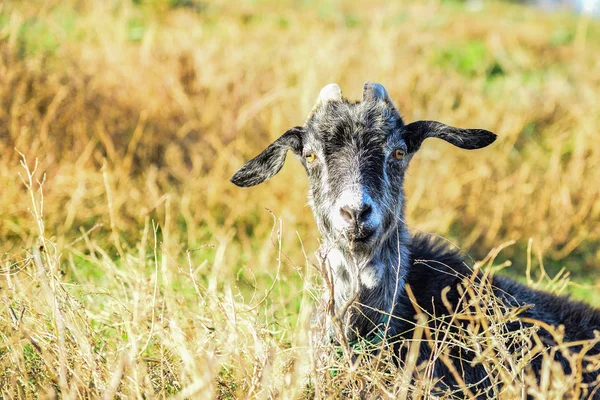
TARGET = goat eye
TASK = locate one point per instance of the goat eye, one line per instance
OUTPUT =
(310, 157)
(399, 154)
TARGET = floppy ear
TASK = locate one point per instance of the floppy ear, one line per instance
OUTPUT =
(469, 139)
(270, 161)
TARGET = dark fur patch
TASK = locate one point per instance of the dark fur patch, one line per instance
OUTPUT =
(270, 161)
(469, 139)
(435, 266)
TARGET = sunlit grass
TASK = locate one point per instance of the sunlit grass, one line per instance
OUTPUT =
(145, 272)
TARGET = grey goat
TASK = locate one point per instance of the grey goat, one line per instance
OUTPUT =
(356, 156)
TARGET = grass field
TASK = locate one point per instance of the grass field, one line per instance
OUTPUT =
(131, 268)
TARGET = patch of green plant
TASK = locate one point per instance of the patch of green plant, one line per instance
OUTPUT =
(469, 59)
(283, 22)
(226, 385)
(136, 28)
(34, 365)
(35, 37)
(351, 21)
(562, 35)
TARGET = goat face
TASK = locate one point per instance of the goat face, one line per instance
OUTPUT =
(356, 155)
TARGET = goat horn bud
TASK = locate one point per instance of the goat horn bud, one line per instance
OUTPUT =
(331, 92)
(375, 91)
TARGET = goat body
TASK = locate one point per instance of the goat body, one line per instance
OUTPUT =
(434, 267)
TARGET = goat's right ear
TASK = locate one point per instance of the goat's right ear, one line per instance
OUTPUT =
(269, 162)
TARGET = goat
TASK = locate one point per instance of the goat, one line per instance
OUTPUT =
(356, 155)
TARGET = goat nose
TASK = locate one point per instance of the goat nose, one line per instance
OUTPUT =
(353, 214)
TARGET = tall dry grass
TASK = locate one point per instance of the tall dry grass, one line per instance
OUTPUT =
(143, 272)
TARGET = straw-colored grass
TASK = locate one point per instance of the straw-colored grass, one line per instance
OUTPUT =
(130, 267)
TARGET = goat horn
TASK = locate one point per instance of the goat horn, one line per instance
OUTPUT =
(331, 92)
(375, 91)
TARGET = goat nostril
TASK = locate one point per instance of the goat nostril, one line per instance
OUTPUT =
(347, 214)
(365, 212)
(352, 215)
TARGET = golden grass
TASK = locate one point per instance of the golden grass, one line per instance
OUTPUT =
(143, 272)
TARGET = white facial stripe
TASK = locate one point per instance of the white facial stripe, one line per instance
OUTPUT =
(355, 197)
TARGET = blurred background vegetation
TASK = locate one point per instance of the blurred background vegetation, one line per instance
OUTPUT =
(139, 111)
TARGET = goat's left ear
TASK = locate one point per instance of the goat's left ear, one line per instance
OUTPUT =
(469, 139)
(269, 162)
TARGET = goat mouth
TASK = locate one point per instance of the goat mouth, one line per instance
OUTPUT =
(363, 236)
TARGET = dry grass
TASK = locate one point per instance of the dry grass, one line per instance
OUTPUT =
(142, 272)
